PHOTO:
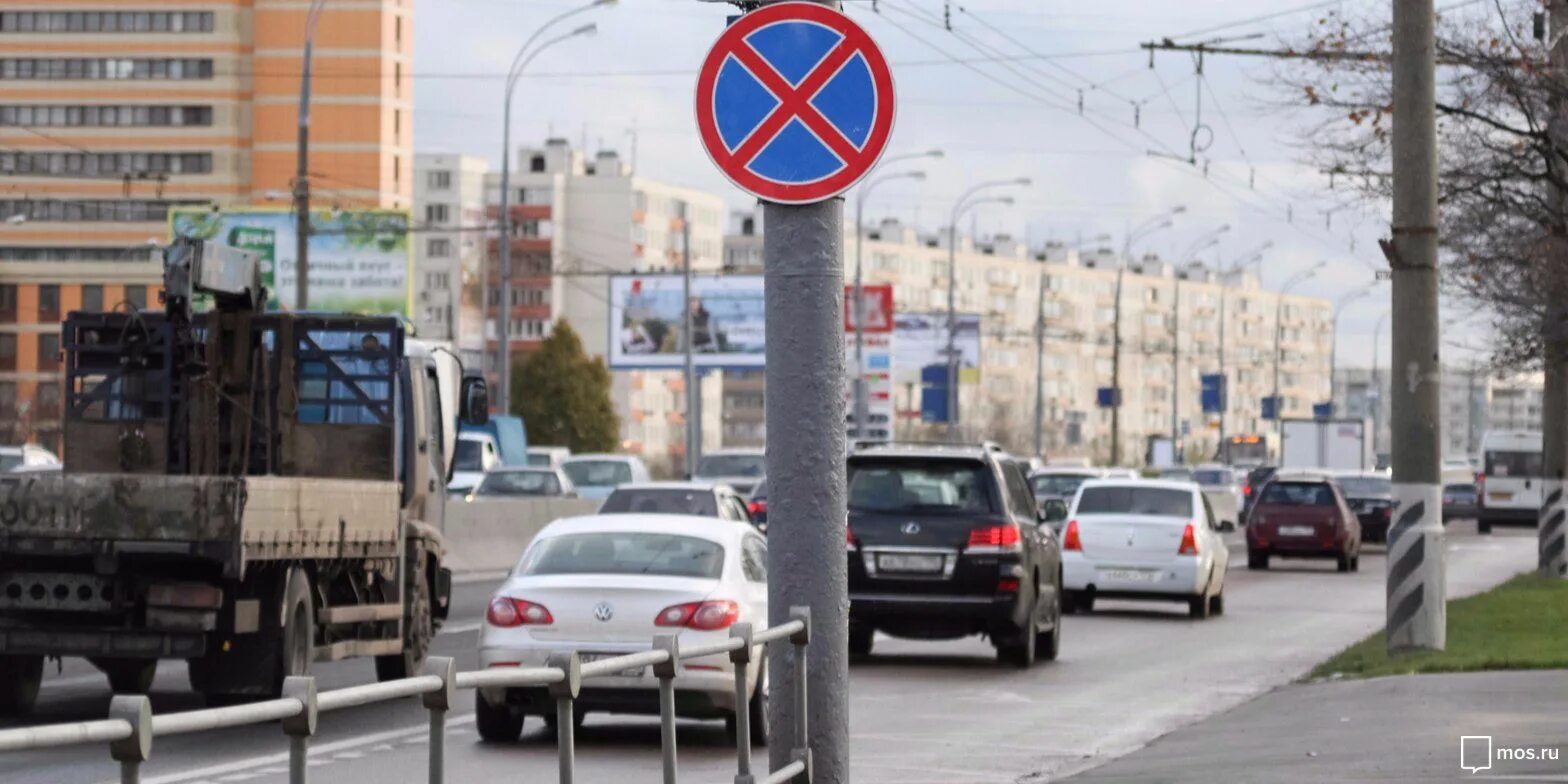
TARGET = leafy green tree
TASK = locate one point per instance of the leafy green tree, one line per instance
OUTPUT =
(563, 396)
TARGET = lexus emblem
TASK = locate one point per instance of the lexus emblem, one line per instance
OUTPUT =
(603, 611)
(911, 528)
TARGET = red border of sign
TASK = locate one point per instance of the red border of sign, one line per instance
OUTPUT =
(881, 125)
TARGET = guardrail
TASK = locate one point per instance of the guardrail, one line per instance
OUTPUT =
(131, 725)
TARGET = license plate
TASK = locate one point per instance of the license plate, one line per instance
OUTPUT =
(1131, 575)
(910, 564)
(635, 672)
(1500, 496)
(1297, 530)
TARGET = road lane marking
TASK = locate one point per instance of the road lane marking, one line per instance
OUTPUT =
(462, 628)
(191, 776)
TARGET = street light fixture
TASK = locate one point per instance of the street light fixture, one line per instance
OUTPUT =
(525, 54)
(965, 203)
(1279, 332)
(1157, 223)
(857, 305)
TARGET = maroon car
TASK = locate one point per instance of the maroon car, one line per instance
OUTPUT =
(1303, 516)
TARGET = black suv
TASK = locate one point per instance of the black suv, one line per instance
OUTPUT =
(946, 542)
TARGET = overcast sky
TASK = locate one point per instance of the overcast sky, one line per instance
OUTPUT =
(1004, 111)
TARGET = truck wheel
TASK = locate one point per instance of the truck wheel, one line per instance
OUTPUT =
(299, 628)
(418, 631)
(20, 677)
(128, 676)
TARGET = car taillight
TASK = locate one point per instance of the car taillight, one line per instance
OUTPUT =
(1247, 488)
(1070, 540)
(996, 537)
(1189, 541)
(1388, 513)
(507, 612)
(1007, 585)
(757, 508)
(849, 540)
(702, 616)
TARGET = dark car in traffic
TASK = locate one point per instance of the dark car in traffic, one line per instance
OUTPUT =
(1303, 516)
(757, 505)
(1461, 501)
(1371, 496)
(948, 542)
(1256, 479)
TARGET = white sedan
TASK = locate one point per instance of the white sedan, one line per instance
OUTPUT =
(603, 586)
(1130, 539)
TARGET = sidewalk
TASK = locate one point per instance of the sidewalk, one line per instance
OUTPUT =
(1400, 729)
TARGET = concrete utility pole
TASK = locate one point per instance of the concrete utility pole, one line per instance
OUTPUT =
(1417, 613)
(965, 203)
(525, 55)
(302, 167)
(858, 304)
(1163, 221)
(803, 285)
(1553, 531)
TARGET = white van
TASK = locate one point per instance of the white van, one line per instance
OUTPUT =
(1511, 477)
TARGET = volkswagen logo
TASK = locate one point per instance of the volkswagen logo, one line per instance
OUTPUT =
(911, 528)
(603, 611)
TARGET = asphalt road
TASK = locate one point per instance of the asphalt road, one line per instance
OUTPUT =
(920, 712)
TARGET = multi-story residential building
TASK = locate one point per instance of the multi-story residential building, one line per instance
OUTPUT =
(1166, 347)
(450, 248)
(1474, 401)
(575, 222)
(111, 115)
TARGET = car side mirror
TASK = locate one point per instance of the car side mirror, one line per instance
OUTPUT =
(1053, 511)
(1227, 526)
(474, 408)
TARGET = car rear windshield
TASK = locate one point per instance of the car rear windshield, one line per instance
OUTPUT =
(598, 473)
(666, 555)
(1064, 485)
(1298, 494)
(1459, 489)
(1518, 464)
(520, 483)
(538, 460)
(731, 465)
(1366, 486)
(468, 456)
(661, 501)
(896, 485)
(1126, 499)
(1213, 476)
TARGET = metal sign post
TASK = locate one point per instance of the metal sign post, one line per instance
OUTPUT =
(795, 105)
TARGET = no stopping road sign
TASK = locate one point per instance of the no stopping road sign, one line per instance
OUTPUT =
(795, 103)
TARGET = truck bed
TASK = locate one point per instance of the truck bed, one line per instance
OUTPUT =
(232, 519)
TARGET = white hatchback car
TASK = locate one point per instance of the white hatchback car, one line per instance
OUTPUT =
(1146, 540)
(604, 585)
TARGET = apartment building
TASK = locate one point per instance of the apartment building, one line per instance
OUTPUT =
(110, 116)
(450, 249)
(1176, 326)
(576, 220)
(1474, 400)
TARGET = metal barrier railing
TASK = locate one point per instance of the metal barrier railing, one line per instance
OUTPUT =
(131, 725)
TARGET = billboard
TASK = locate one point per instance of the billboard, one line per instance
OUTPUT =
(361, 261)
(920, 341)
(877, 336)
(647, 322)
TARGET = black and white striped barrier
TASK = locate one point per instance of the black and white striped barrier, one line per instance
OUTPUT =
(1417, 615)
(1554, 531)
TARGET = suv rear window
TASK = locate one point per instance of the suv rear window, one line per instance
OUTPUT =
(1160, 501)
(1064, 485)
(661, 501)
(1297, 494)
(894, 485)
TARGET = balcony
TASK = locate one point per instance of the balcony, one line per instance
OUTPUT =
(521, 211)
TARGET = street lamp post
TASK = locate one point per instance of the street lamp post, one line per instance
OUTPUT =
(857, 307)
(1235, 268)
(525, 54)
(1039, 353)
(1163, 221)
(302, 167)
(1279, 333)
(965, 203)
(1333, 347)
(1185, 262)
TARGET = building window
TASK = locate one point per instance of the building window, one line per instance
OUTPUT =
(8, 351)
(114, 68)
(106, 22)
(437, 213)
(104, 116)
(439, 180)
(136, 296)
(48, 351)
(438, 248)
(92, 210)
(48, 302)
(94, 163)
(536, 164)
(7, 302)
(28, 253)
(92, 298)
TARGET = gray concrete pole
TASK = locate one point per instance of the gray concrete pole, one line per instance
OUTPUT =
(803, 258)
(1553, 531)
(1417, 613)
(302, 167)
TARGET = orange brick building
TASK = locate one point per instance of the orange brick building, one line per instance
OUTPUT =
(112, 112)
